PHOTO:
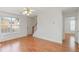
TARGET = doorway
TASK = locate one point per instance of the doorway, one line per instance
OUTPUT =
(31, 25)
(70, 32)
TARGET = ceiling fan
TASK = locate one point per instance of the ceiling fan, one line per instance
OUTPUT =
(27, 11)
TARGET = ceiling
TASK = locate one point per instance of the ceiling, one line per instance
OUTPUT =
(18, 10)
(37, 10)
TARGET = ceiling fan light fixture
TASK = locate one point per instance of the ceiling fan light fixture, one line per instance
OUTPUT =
(27, 11)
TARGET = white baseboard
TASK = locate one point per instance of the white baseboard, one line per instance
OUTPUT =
(60, 42)
(11, 38)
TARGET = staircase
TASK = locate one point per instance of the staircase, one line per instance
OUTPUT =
(34, 28)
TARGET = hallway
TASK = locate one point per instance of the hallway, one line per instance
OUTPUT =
(69, 42)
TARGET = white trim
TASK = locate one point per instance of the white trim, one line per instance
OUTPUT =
(60, 42)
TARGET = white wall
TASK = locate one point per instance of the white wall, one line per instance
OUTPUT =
(66, 25)
(49, 25)
(78, 27)
(22, 31)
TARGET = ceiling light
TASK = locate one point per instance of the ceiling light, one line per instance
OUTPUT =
(27, 11)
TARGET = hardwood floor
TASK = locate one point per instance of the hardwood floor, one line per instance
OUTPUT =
(70, 42)
(30, 44)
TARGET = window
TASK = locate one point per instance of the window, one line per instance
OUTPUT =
(72, 24)
(5, 24)
(15, 24)
(9, 24)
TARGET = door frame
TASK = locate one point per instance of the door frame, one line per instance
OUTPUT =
(76, 18)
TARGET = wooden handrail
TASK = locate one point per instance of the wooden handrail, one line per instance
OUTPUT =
(34, 28)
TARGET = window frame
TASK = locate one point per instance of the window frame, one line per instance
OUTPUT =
(10, 24)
